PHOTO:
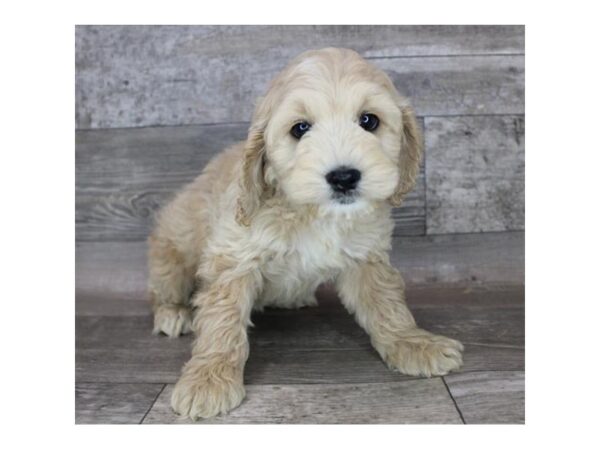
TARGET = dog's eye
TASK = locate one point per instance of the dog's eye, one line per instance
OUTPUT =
(299, 129)
(369, 122)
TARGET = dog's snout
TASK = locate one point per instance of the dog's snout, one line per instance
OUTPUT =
(343, 179)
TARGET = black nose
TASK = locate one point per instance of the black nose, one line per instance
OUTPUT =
(343, 179)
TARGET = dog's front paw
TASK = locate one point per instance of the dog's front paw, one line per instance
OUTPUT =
(172, 320)
(420, 353)
(205, 391)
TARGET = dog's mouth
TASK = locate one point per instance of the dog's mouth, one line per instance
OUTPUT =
(345, 198)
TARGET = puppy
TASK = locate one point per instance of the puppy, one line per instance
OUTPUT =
(305, 199)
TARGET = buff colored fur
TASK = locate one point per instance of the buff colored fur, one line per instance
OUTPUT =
(258, 227)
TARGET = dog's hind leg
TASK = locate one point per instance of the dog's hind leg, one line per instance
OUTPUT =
(170, 285)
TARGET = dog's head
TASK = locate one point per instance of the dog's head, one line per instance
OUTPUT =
(331, 131)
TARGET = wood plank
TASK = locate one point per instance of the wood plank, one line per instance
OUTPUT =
(128, 76)
(476, 258)
(112, 403)
(311, 345)
(415, 401)
(419, 296)
(475, 172)
(123, 176)
(110, 274)
(489, 397)
(460, 85)
(107, 271)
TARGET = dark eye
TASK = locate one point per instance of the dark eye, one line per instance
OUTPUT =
(369, 122)
(299, 129)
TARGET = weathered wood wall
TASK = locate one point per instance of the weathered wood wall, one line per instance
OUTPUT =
(137, 86)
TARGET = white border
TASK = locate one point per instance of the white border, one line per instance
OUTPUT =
(38, 222)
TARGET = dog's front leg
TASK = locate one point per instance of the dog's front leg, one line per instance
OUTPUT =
(374, 292)
(212, 380)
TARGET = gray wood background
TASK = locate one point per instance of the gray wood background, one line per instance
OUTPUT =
(154, 103)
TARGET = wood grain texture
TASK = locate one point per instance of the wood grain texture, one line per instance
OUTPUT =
(484, 258)
(113, 274)
(475, 174)
(411, 401)
(312, 345)
(146, 75)
(167, 75)
(111, 270)
(113, 403)
(489, 397)
(460, 85)
(123, 176)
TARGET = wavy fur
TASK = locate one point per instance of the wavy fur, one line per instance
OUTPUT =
(260, 227)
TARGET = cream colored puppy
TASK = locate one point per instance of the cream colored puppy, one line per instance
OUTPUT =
(305, 199)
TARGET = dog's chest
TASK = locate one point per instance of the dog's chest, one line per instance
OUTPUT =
(295, 255)
(314, 254)
(295, 267)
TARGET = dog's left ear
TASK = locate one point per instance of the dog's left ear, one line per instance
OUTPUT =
(411, 150)
(253, 186)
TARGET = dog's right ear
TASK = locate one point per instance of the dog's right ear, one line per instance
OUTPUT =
(253, 186)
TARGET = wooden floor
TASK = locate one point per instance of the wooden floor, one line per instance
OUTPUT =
(313, 365)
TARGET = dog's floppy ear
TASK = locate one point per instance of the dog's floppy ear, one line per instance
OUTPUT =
(411, 149)
(253, 186)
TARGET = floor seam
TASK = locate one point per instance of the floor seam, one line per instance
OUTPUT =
(454, 401)
(466, 371)
(440, 55)
(153, 403)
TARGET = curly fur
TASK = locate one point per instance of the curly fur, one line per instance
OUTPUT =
(260, 227)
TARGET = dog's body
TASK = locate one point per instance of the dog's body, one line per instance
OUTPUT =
(271, 218)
